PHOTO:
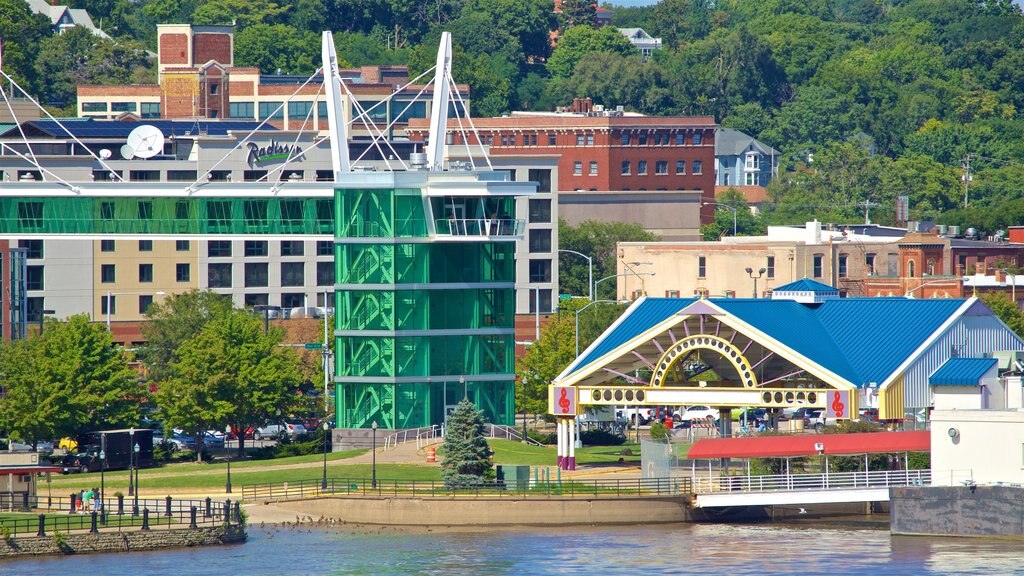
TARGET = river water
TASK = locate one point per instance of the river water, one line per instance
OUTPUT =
(692, 549)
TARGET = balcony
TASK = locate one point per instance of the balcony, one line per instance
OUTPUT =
(508, 228)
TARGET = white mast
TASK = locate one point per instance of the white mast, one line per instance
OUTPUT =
(335, 124)
(438, 137)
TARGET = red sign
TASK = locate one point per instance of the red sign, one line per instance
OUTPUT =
(837, 404)
(565, 400)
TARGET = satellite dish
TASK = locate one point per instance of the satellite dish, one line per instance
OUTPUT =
(127, 152)
(104, 154)
(146, 141)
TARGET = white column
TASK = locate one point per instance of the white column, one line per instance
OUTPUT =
(560, 433)
(335, 118)
(572, 445)
(437, 140)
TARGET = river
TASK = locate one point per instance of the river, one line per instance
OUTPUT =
(692, 549)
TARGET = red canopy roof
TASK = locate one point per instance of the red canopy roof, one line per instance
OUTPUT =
(804, 445)
(28, 469)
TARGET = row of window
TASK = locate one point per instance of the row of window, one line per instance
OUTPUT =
(144, 109)
(660, 168)
(257, 274)
(108, 273)
(144, 245)
(625, 139)
(257, 248)
(400, 111)
(108, 303)
(288, 300)
(214, 176)
(702, 267)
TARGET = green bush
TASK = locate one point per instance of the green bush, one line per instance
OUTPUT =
(602, 438)
(542, 437)
(659, 431)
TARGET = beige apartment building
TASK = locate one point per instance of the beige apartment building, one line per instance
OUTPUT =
(841, 256)
(129, 275)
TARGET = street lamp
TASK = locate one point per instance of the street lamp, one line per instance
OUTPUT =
(112, 294)
(131, 462)
(760, 272)
(227, 485)
(103, 473)
(135, 507)
(578, 318)
(374, 476)
(910, 293)
(590, 265)
(630, 273)
(733, 208)
(323, 484)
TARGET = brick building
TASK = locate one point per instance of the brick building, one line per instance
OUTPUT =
(613, 166)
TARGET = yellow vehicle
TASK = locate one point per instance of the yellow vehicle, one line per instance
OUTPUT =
(68, 445)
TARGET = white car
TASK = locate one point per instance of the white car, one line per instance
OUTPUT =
(279, 431)
(699, 413)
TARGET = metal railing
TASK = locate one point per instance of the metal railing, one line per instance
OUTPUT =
(540, 488)
(821, 481)
(402, 436)
(479, 227)
(426, 436)
(44, 515)
(503, 432)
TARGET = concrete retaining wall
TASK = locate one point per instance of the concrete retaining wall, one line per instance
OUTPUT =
(957, 511)
(506, 511)
(121, 541)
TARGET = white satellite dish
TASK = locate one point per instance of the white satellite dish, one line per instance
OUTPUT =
(104, 154)
(127, 152)
(146, 141)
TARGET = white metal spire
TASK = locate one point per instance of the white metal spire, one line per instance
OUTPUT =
(332, 90)
(438, 141)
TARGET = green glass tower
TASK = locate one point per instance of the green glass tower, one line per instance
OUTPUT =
(425, 313)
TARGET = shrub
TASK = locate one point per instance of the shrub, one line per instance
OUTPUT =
(542, 437)
(60, 539)
(659, 431)
(602, 438)
(5, 531)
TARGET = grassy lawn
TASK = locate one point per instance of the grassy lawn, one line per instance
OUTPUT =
(516, 453)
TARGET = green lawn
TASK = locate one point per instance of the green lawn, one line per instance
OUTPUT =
(516, 453)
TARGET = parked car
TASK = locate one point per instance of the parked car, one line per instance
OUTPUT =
(177, 441)
(635, 416)
(698, 412)
(753, 415)
(279, 431)
(248, 435)
(67, 444)
(815, 418)
(87, 461)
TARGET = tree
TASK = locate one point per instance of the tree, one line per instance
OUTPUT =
(467, 457)
(597, 240)
(278, 47)
(747, 224)
(230, 373)
(173, 321)
(529, 21)
(21, 31)
(241, 13)
(1007, 311)
(32, 407)
(579, 41)
(80, 57)
(578, 13)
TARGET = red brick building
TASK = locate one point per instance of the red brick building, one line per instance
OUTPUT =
(654, 171)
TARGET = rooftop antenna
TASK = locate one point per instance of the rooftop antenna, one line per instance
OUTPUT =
(437, 141)
(332, 91)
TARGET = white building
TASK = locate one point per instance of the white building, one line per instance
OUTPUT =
(643, 41)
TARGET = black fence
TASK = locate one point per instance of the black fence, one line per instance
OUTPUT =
(42, 515)
(649, 487)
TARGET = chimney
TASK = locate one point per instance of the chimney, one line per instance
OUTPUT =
(813, 232)
(1000, 276)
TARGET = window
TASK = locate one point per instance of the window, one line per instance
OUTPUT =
(219, 275)
(770, 267)
(144, 175)
(750, 178)
(272, 110)
(183, 272)
(242, 110)
(545, 301)
(593, 168)
(107, 245)
(34, 277)
(108, 304)
(552, 139)
(624, 139)
(256, 274)
(145, 245)
(931, 266)
(292, 274)
(752, 161)
(106, 175)
(842, 265)
(181, 211)
(869, 263)
(94, 107)
(181, 175)
(696, 138)
(255, 248)
(145, 209)
(542, 178)
(577, 168)
(680, 139)
(625, 167)
(107, 275)
(145, 301)
(579, 139)
(540, 211)
(324, 248)
(590, 139)
(293, 300)
(641, 139)
(698, 167)
(702, 267)
(145, 273)
(122, 107)
(671, 293)
(292, 248)
(325, 273)
(256, 300)
(299, 110)
(181, 245)
(151, 110)
(34, 248)
(910, 268)
(661, 167)
(641, 167)
(540, 270)
(218, 249)
(213, 89)
(817, 265)
(540, 240)
(680, 166)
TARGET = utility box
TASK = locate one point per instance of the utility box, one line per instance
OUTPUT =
(515, 478)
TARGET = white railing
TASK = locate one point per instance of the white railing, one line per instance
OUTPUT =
(479, 227)
(502, 432)
(402, 436)
(822, 481)
(430, 436)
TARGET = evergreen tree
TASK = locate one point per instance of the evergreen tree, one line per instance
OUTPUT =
(467, 457)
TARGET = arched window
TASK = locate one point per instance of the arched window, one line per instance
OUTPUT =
(931, 266)
(910, 268)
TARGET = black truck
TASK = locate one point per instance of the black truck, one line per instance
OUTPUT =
(118, 447)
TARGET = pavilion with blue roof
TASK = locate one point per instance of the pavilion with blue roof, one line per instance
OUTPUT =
(784, 352)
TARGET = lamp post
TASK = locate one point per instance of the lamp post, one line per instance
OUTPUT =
(590, 276)
(110, 295)
(103, 474)
(374, 469)
(135, 449)
(760, 272)
(131, 462)
(227, 485)
(323, 484)
(910, 293)
(733, 208)
(631, 273)
(577, 332)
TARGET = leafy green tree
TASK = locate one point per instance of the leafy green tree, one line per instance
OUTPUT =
(231, 373)
(614, 80)
(747, 223)
(278, 46)
(240, 12)
(579, 41)
(21, 31)
(80, 57)
(529, 21)
(597, 240)
(578, 13)
(32, 408)
(172, 321)
(467, 457)
(1007, 311)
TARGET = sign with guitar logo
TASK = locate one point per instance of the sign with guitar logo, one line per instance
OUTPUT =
(565, 400)
(837, 404)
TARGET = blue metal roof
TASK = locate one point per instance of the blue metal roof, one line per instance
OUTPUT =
(862, 340)
(806, 285)
(961, 371)
(119, 129)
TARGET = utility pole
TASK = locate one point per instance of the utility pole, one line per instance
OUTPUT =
(867, 205)
(967, 176)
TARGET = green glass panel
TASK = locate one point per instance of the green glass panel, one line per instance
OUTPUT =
(425, 309)
(420, 404)
(404, 356)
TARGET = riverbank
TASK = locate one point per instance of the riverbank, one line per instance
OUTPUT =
(59, 543)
